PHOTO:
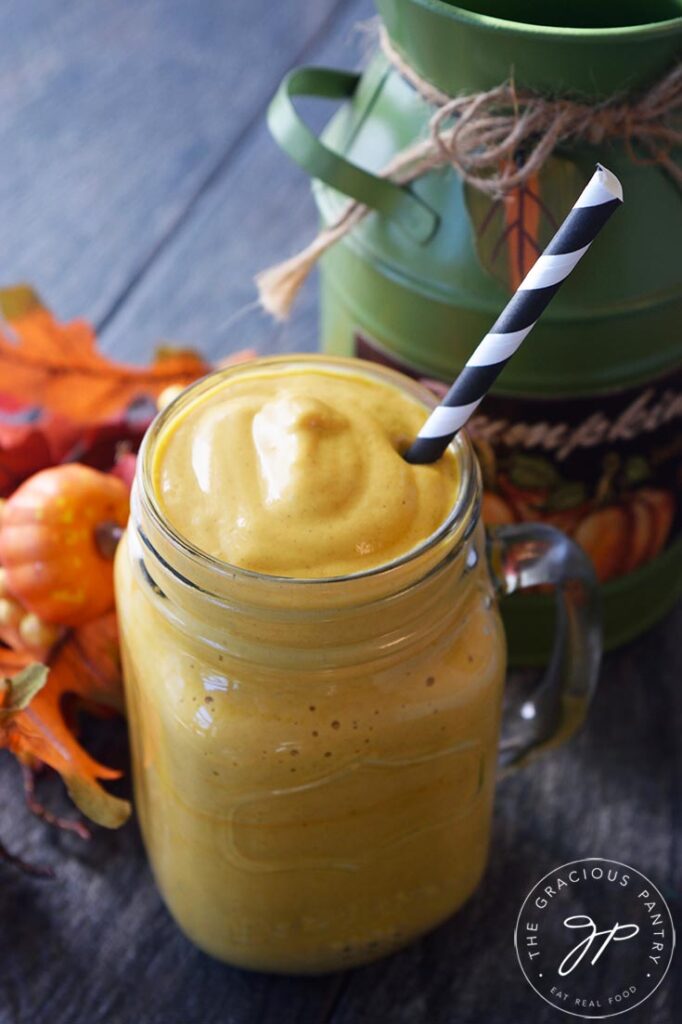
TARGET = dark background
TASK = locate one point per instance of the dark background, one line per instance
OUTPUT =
(139, 188)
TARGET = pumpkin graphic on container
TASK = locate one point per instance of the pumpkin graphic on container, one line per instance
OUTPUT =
(622, 526)
(623, 536)
(419, 269)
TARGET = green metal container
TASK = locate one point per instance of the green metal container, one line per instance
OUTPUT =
(583, 427)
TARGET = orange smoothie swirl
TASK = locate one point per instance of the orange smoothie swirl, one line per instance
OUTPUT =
(299, 474)
(314, 756)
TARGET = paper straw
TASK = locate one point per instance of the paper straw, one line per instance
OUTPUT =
(602, 195)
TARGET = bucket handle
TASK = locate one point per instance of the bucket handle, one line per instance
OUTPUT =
(296, 139)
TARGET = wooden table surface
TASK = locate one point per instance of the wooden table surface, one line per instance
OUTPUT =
(139, 188)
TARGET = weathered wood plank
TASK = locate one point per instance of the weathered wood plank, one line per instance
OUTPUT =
(259, 211)
(114, 118)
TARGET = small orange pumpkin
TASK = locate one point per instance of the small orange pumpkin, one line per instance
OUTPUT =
(56, 535)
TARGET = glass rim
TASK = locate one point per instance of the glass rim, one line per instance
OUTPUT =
(463, 509)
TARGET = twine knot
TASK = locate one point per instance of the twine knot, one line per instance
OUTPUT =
(496, 140)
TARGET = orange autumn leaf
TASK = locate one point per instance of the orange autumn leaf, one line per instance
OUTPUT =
(87, 665)
(57, 371)
(59, 366)
(511, 231)
(40, 731)
(12, 662)
(522, 216)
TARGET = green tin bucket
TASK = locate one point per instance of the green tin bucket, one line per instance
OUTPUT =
(583, 426)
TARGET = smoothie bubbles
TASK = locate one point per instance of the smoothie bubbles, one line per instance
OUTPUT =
(314, 662)
(445, 173)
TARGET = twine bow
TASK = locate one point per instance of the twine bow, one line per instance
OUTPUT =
(496, 140)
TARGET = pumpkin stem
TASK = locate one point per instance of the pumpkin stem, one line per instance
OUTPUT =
(107, 536)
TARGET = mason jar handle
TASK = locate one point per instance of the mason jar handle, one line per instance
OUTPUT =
(530, 555)
(296, 139)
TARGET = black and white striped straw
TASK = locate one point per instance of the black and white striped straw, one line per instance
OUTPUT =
(602, 195)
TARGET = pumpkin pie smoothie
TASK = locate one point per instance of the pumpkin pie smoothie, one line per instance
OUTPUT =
(313, 663)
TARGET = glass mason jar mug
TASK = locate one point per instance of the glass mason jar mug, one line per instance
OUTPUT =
(315, 760)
